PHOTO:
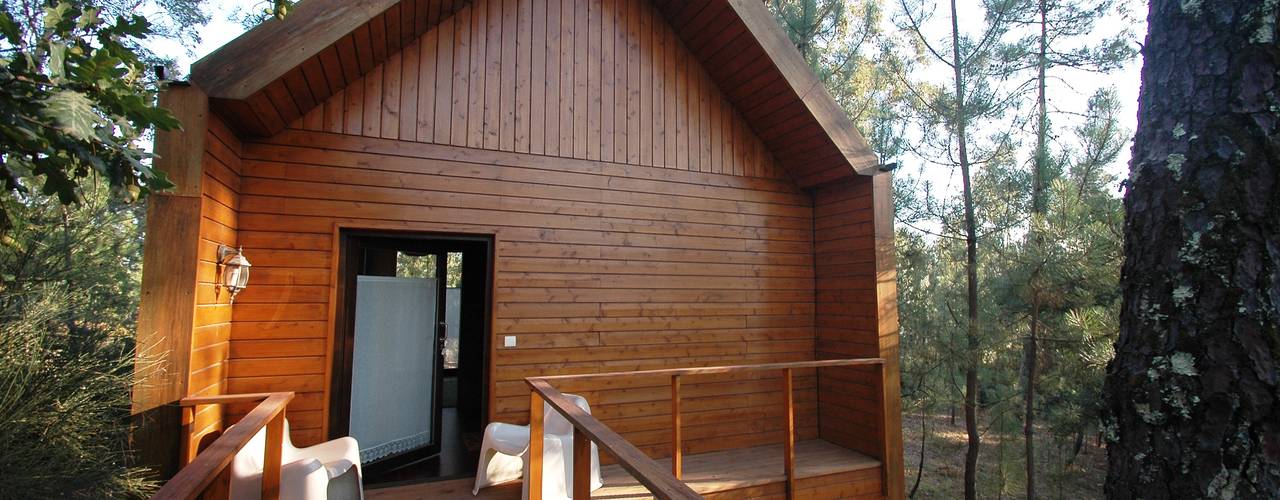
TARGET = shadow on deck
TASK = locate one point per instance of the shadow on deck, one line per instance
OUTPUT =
(823, 470)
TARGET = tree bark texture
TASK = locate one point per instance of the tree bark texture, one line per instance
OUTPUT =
(1192, 399)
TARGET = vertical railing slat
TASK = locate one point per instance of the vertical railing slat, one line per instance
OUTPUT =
(677, 434)
(789, 445)
(271, 463)
(581, 465)
(536, 442)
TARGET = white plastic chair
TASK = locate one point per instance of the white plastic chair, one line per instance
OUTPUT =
(329, 470)
(504, 455)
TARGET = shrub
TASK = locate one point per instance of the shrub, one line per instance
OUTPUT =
(64, 405)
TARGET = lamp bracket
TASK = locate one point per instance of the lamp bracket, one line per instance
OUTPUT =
(224, 252)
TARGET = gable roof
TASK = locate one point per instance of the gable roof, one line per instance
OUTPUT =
(279, 70)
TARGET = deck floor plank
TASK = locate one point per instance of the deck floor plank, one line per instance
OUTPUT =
(822, 469)
(744, 468)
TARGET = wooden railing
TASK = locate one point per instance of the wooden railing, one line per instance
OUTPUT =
(201, 468)
(662, 483)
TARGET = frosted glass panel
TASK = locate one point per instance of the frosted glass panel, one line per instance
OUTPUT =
(391, 377)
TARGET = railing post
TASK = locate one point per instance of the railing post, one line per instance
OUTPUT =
(884, 439)
(677, 434)
(271, 462)
(188, 451)
(536, 442)
(581, 465)
(789, 444)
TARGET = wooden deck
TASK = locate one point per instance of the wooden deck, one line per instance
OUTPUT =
(823, 470)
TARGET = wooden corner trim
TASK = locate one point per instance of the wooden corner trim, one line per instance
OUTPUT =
(886, 287)
(166, 312)
(179, 153)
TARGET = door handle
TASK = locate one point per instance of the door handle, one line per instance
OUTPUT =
(444, 334)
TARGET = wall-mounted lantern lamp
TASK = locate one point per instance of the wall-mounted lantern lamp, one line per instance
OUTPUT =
(235, 269)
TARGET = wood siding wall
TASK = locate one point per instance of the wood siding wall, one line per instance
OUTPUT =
(210, 340)
(600, 266)
(857, 316)
(589, 79)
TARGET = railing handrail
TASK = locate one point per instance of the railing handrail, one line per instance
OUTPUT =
(196, 476)
(662, 483)
(715, 370)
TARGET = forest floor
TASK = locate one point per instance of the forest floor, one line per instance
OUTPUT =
(943, 475)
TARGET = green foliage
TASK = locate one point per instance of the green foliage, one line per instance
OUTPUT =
(68, 293)
(69, 278)
(65, 394)
(74, 104)
(425, 267)
(75, 107)
(93, 250)
(267, 9)
(1079, 272)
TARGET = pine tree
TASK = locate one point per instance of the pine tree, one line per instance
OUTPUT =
(1063, 38)
(971, 100)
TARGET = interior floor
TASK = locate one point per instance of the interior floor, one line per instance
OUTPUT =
(459, 452)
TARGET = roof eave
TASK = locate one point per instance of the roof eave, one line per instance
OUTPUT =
(265, 53)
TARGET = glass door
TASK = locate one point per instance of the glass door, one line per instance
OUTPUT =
(399, 331)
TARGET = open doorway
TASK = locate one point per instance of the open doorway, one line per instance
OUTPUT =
(411, 353)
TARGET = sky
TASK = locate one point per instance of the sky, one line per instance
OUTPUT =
(1071, 92)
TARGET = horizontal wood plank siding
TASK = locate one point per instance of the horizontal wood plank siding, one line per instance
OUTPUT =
(847, 319)
(211, 337)
(600, 267)
(568, 91)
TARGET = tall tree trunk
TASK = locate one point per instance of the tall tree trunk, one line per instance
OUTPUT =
(971, 269)
(1030, 354)
(1075, 447)
(1030, 351)
(1193, 395)
(924, 441)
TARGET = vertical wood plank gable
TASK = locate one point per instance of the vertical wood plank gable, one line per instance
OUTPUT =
(567, 25)
(608, 19)
(478, 68)
(443, 58)
(493, 71)
(524, 58)
(588, 79)
(461, 25)
(507, 92)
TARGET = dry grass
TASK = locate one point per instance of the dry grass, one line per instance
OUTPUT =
(999, 477)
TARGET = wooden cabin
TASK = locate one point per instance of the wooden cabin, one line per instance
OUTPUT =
(594, 185)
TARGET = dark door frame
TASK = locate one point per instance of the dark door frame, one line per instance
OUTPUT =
(349, 264)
